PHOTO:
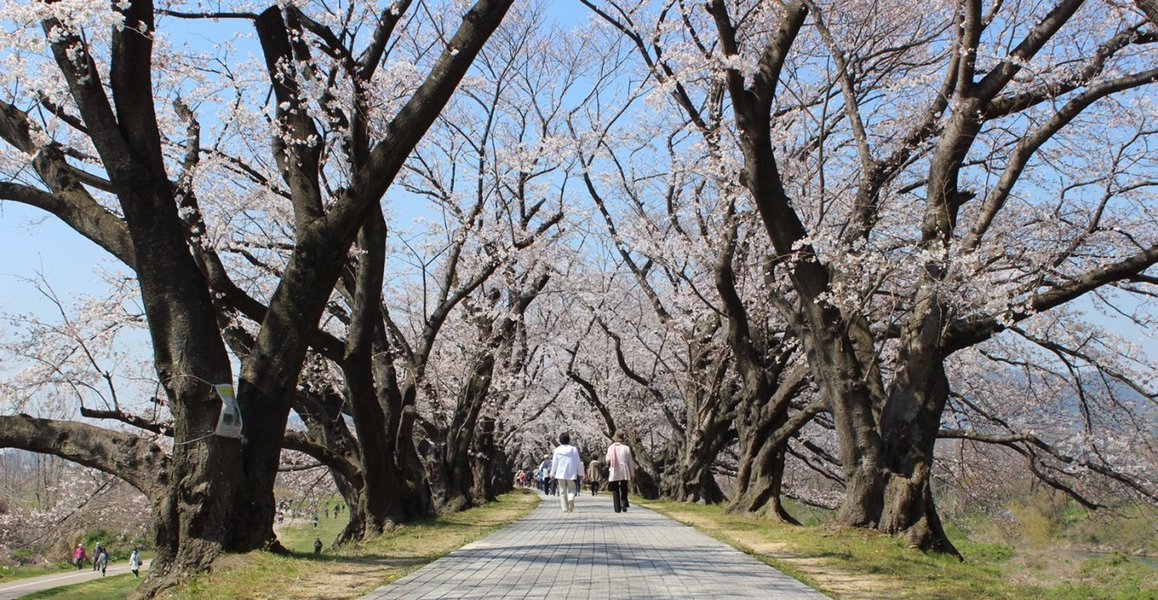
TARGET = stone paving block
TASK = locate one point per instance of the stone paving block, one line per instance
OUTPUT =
(595, 553)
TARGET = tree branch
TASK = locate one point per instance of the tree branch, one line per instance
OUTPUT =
(132, 458)
(971, 331)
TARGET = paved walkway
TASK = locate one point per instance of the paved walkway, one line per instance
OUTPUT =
(596, 553)
(23, 587)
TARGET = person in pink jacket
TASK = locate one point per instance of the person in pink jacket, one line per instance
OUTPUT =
(621, 471)
(79, 557)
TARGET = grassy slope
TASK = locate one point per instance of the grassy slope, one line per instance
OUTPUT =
(106, 588)
(352, 572)
(860, 564)
(347, 573)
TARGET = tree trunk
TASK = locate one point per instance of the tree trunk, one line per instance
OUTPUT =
(760, 478)
(196, 516)
(191, 521)
(355, 528)
(693, 479)
(418, 499)
(910, 422)
(838, 375)
(489, 466)
(380, 501)
(459, 481)
(909, 511)
(192, 516)
(645, 485)
(264, 415)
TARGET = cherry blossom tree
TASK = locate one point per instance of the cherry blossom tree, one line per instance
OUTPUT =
(89, 142)
(431, 343)
(925, 178)
(50, 505)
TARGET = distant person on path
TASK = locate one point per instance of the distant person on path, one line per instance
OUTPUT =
(317, 545)
(565, 466)
(101, 560)
(621, 470)
(545, 481)
(595, 475)
(135, 563)
(96, 554)
(79, 557)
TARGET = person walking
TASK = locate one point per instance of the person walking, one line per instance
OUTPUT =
(621, 471)
(135, 563)
(317, 545)
(545, 479)
(79, 557)
(96, 554)
(101, 560)
(565, 466)
(595, 475)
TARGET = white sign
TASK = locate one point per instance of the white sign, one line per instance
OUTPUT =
(229, 423)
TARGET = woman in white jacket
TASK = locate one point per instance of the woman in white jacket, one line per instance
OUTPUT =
(565, 468)
(621, 470)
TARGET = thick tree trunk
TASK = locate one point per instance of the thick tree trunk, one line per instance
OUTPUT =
(489, 466)
(760, 478)
(264, 415)
(190, 357)
(380, 501)
(192, 520)
(645, 484)
(839, 376)
(696, 483)
(418, 499)
(185, 544)
(909, 511)
(692, 479)
(355, 528)
(459, 482)
(831, 352)
(269, 376)
(910, 422)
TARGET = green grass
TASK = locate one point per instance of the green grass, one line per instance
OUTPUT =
(105, 588)
(300, 538)
(1115, 577)
(814, 554)
(355, 570)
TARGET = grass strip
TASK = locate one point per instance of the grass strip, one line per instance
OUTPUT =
(862, 564)
(359, 568)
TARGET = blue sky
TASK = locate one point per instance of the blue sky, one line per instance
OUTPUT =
(34, 244)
